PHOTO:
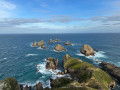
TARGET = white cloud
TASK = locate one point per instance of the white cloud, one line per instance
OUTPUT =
(6, 5)
(6, 9)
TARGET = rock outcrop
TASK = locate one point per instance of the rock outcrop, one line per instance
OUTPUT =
(57, 40)
(58, 47)
(43, 47)
(96, 50)
(34, 44)
(38, 86)
(40, 43)
(87, 74)
(111, 69)
(9, 84)
(87, 50)
(68, 43)
(50, 41)
(52, 63)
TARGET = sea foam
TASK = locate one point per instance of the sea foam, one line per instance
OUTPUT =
(31, 55)
(97, 58)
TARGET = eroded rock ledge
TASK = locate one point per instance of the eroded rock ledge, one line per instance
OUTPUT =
(111, 69)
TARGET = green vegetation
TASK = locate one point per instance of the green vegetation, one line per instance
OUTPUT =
(87, 73)
(60, 82)
(10, 84)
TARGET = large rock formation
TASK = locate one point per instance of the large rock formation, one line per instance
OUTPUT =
(38, 86)
(86, 74)
(111, 69)
(68, 43)
(58, 47)
(40, 43)
(43, 47)
(87, 50)
(34, 44)
(50, 41)
(57, 40)
(9, 84)
(52, 63)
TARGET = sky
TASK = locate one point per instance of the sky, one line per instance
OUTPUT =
(59, 16)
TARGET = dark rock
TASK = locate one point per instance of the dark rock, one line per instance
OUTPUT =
(96, 50)
(27, 87)
(43, 47)
(38, 86)
(52, 63)
(21, 86)
(58, 47)
(34, 44)
(50, 41)
(60, 73)
(40, 43)
(68, 43)
(87, 50)
(111, 69)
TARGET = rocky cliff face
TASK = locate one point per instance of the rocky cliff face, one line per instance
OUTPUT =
(111, 69)
(87, 50)
(40, 43)
(52, 63)
(58, 47)
(86, 74)
(68, 43)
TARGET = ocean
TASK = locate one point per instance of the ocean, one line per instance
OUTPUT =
(27, 64)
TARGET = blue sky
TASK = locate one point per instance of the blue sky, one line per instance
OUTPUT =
(59, 16)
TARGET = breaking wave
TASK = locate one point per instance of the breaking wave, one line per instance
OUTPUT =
(31, 55)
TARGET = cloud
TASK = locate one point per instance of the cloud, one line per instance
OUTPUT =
(6, 9)
(52, 19)
(112, 18)
(6, 5)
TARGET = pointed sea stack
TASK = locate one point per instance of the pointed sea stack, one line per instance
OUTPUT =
(34, 44)
(52, 63)
(40, 43)
(50, 41)
(87, 50)
(68, 43)
(58, 47)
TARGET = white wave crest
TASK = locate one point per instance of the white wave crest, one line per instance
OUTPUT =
(58, 51)
(97, 58)
(31, 55)
(4, 58)
(75, 44)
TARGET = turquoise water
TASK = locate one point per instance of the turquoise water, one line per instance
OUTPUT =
(27, 64)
